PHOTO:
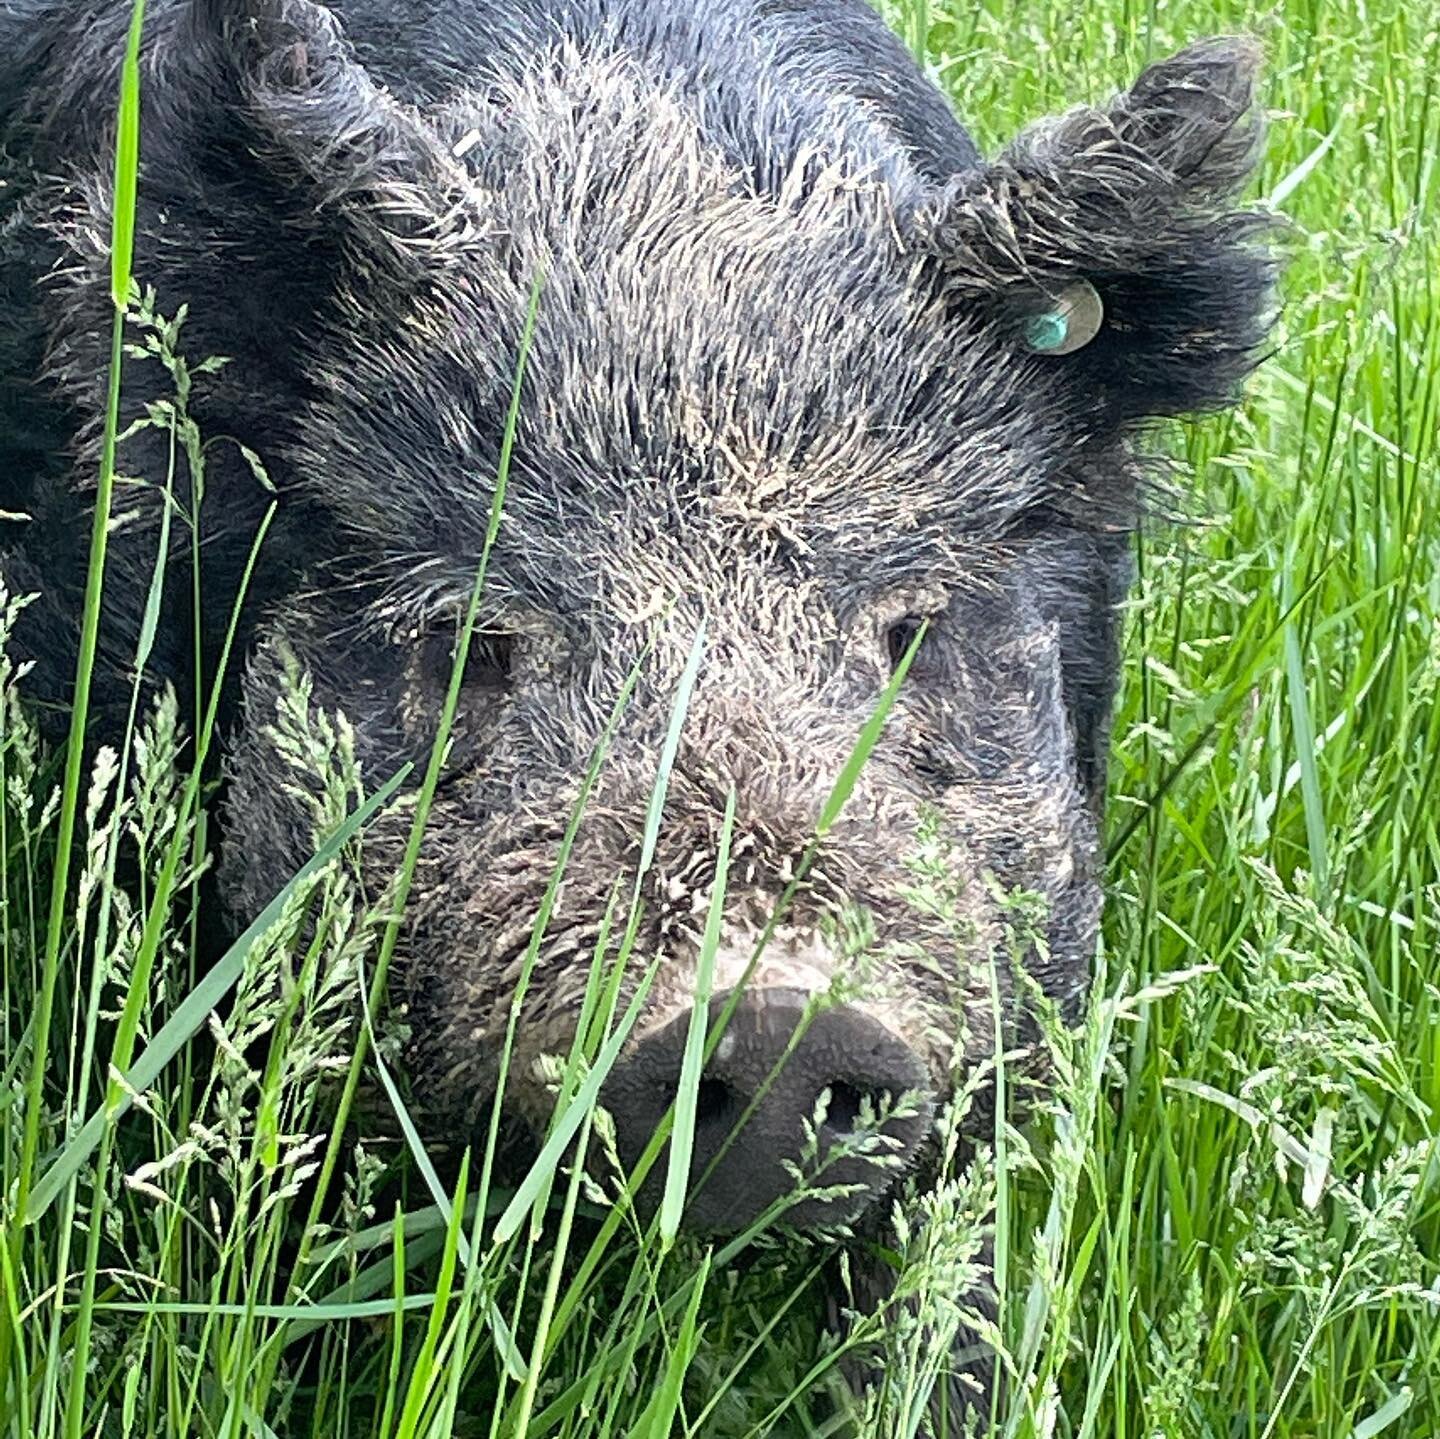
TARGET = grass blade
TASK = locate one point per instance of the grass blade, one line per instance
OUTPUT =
(682, 1130)
(669, 750)
(191, 1014)
(543, 1169)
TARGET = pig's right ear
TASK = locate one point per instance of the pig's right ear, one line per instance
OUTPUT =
(352, 165)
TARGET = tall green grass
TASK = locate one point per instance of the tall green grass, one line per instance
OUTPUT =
(1225, 1221)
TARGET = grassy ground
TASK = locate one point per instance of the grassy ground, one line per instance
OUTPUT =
(1227, 1222)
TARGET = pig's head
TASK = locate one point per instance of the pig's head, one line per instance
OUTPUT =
(806, 398)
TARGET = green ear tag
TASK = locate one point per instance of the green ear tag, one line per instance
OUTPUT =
(1048, 330)
(1066, 320)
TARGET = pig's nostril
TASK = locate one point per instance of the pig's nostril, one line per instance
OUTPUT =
(714, 1101)
(842, 1114)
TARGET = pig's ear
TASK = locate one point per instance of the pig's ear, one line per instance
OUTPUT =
(1128, 213)
(361, 169)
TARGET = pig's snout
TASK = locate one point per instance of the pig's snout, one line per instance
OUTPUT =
(756, 1105)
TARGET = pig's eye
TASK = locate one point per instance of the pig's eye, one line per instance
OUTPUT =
(488, 663)
(900, 636)
(490, 660)
(1064, 321)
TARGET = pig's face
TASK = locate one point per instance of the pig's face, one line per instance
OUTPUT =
(813, 418)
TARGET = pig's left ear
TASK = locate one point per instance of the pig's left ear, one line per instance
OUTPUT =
(1109, 241)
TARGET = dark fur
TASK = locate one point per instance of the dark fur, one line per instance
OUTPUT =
(777, 382)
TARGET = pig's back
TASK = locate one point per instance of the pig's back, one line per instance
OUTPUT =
(767, 76)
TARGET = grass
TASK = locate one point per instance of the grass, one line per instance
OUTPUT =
(1226, 1221)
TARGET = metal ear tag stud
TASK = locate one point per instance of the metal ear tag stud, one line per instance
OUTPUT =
(1070, 320)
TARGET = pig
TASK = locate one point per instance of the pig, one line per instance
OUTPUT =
(808, 372)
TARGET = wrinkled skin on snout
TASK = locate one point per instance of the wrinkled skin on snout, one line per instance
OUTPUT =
(785, 384)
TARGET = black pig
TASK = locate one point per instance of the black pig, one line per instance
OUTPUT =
(806, 366)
